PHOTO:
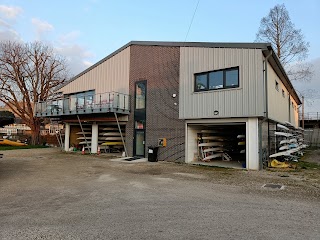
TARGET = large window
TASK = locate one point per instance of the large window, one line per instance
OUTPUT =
(140, 95)
(220, 79)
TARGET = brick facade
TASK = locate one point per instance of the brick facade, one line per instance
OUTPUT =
(159, 66)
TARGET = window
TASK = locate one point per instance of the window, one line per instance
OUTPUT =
(140, 95)
(220, 79)
(277, 85)
(283, 94)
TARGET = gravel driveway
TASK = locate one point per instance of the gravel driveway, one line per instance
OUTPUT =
(46, 194)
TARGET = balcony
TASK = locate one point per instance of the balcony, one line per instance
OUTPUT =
(98, 103)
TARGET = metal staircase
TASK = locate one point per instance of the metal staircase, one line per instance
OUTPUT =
(55, 123)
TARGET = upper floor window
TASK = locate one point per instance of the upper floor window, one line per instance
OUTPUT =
(140, 95)
(219, 79)
(277, 85)
(283, 94)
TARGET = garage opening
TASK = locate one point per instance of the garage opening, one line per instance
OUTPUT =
(221, 145)
(109, 138)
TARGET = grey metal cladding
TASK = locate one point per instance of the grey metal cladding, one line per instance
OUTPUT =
(245, 101)
(264, 46)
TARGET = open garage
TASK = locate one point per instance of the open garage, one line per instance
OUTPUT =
(226, 143)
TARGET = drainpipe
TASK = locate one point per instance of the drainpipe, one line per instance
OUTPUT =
(266, 117)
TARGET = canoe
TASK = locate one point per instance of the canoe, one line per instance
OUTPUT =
(282, 127)
(81, 138)
(279, 154)
(283, 134)
(11, 143)
(216, 149)
(293, 140)
(286, 141)
(113, 134)
(212, 156)
(210, 131)
(111, 143)
(112, 138)
(84, 142)
(243, 151)
(241, 136)
(110, 129)
(284, 147)
(289, 124)
(211, 144)
(81, 133)
(241, 143)
(213, 138)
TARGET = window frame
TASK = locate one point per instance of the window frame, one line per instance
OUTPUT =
(224, 87)
(276, 85)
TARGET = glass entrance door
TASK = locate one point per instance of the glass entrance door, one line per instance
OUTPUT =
(139, 142)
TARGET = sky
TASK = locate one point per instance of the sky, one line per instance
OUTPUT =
(85, 31)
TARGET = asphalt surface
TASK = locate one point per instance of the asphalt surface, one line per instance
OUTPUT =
(52, 195)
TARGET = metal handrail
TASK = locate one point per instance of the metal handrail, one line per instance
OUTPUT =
(310, 116)
(108, 101)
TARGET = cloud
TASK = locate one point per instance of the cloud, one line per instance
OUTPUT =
(4, 24)
(9, 35)
(76, 56)
(10, 12)
(69, 37)
(311, 90)
(7, 21)
(41, 27)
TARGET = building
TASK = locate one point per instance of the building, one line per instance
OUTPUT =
(188, 93)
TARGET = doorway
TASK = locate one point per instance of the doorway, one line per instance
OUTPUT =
(140, 118)
(139, 143)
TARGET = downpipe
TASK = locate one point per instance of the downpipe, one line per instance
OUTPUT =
(266, 113)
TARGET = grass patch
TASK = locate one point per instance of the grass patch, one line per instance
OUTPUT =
(5, 148)
(307, 165)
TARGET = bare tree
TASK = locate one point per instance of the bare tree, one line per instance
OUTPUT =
(288, 42)
(28, 73)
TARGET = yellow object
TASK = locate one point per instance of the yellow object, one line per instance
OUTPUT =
(162, 142)
(276, 164)
(111, 143)
(11, 143)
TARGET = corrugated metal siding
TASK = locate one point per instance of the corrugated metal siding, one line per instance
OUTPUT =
(294, 113)
(247, 100)
(111, 75)
(280, 106)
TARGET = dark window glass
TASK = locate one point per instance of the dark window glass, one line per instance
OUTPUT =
(220, 79)
(232, 78)
(277, 85)
(140, 96)
(201, 82)
(216, 80)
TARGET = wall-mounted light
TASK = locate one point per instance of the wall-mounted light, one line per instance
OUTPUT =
(216, 112)
(174, 95)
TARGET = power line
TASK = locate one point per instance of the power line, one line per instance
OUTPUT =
(192, 21)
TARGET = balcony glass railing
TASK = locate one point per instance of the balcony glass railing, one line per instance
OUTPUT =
(102, 102)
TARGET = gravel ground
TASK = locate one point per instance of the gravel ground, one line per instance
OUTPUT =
(47, 194)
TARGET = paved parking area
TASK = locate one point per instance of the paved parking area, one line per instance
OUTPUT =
(46, 194)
